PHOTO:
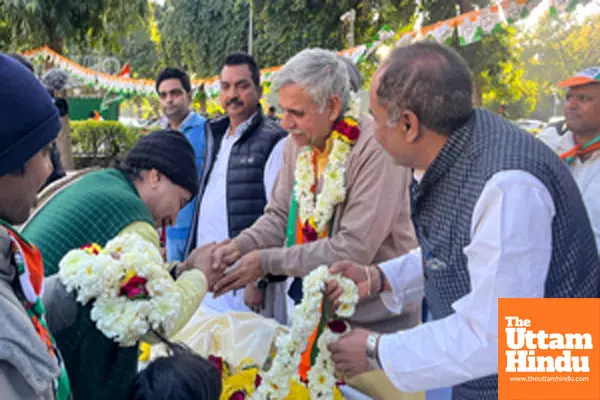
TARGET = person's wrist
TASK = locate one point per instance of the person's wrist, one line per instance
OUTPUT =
(380, 278)
(372, 350)
(180, 267)
(373, 280)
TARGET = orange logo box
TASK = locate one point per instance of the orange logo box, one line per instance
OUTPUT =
(549, 349)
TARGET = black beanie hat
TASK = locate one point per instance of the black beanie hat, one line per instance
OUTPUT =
(170, 153)
(29, 120)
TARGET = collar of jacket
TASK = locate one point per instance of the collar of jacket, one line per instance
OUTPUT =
(219, 126)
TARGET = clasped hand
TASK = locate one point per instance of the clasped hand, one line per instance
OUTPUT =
(223, 266)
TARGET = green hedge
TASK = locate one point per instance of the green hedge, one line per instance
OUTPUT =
(100, 142)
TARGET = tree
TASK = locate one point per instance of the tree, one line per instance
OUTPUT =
(140, 48)
(557, 49)
(62, 24)
(75, 25)
(497, 72)
(198, 34)
(311, 23)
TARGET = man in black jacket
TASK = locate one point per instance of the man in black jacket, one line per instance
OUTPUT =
(242, 157)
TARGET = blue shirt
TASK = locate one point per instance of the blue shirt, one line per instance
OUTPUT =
(193, 128)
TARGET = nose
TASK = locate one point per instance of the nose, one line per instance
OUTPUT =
(231, 92)
(571, 103)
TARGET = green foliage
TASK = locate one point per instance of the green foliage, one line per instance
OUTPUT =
(502, 81)
(102, 141)
(141, 53)
(198, 34)
(556, 50)
(498, 73)
(286, 27)
(70, 24)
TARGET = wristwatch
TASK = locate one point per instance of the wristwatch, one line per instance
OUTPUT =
(262, 283)
(371, 350)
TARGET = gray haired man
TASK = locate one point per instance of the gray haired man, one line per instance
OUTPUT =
(370, 224)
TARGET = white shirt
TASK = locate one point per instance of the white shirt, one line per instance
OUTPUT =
(212, 221)
(508, 256)
(586, 174)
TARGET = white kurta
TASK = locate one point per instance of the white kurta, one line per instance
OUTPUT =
(586, 174)
(508, 256)
(213, 223)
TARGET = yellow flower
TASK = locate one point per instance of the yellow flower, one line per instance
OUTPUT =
(242, 381)
(245, 364)
(337, 395)
(350, 121)
(145, 351)
(340, 137)
(130, 274)
(298, 391)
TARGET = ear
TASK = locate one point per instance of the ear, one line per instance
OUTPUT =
(190, 96)
(259, 90)
(411, 126)
(333, 108)
(153, 178)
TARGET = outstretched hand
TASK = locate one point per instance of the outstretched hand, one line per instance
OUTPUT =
(202, 259)
(357, 273)
(248, 271)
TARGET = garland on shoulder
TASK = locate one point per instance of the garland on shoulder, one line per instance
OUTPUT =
(317, 210)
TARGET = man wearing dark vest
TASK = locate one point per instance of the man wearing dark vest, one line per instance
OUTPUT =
(497, 214)
(149, 186)
(243, 156)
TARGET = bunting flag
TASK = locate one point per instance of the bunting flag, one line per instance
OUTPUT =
(125, 72)
(558, 6)
(471, 27)
(122, 84)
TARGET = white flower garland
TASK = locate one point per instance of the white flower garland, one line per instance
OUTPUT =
(102, 276)
(276, 382)
(320, 208)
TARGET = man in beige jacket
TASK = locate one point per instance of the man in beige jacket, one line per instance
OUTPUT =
(372, 224)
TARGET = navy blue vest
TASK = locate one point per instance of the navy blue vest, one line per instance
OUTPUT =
(245, 190)
(443, 204)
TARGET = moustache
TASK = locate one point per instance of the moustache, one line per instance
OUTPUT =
(235, 101)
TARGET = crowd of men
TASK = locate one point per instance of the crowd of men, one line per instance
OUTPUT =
(445, 206)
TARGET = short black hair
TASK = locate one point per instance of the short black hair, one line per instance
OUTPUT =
(431, 80)
(244, 59)
(183, 375)
(24, 61)
(174, 73)
(272, 109)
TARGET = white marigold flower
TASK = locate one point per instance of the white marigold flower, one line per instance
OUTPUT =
(70, 264)
(106, 312)
(321, 382)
